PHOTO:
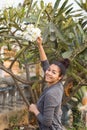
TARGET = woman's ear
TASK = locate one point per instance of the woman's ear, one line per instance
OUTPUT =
(60, 77)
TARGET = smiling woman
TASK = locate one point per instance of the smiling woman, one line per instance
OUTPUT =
(48, 108)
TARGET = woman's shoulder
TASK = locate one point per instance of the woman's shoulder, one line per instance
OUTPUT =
(55, 90)
(57, 87)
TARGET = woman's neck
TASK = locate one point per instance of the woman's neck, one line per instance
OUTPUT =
(50, 84)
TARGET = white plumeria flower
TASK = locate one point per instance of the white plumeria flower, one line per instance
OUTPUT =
(29, 32)
(27, 36)
(23, 26)
(13, 29)
(18, 33)
(30, 26)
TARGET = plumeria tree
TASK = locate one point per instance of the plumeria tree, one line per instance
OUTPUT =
(64, 33)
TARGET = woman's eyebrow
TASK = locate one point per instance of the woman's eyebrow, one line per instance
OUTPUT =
(53, 69)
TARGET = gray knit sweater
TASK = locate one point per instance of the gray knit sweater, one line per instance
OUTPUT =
(49, 105)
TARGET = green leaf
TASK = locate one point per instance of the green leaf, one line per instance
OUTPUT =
(81, 30)
(68, 11)
(34, 4)
(67, 54)
(56, 5)
(52, 36)
(84, 23)
(42, 4)
(45, 34)
(71, 35)
(52, 27)
(78, 3)
(62, 8)
(59, 35)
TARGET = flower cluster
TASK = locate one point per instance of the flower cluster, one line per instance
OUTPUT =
(28, 32)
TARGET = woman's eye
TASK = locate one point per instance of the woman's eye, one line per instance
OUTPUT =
(48, 69)
(54, 72)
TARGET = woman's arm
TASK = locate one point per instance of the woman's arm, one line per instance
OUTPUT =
(48, 113)
(43, 56)
(47, 116)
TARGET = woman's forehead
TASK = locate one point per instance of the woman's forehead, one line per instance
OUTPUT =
(54, 67)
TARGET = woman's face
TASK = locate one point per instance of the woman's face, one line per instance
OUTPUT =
(52, 74)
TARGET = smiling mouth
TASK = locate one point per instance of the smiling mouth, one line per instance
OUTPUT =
(48, 77)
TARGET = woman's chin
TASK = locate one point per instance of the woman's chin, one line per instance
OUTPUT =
(47, 80)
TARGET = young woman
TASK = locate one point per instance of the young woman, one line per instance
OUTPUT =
(48, 108)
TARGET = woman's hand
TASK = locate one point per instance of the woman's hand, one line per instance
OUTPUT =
(33, 108)
(39, 41)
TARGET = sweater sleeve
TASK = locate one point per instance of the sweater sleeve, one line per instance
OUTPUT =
(45, 65)
(49, 106)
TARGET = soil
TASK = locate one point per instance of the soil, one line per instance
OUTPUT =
(24, 127)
